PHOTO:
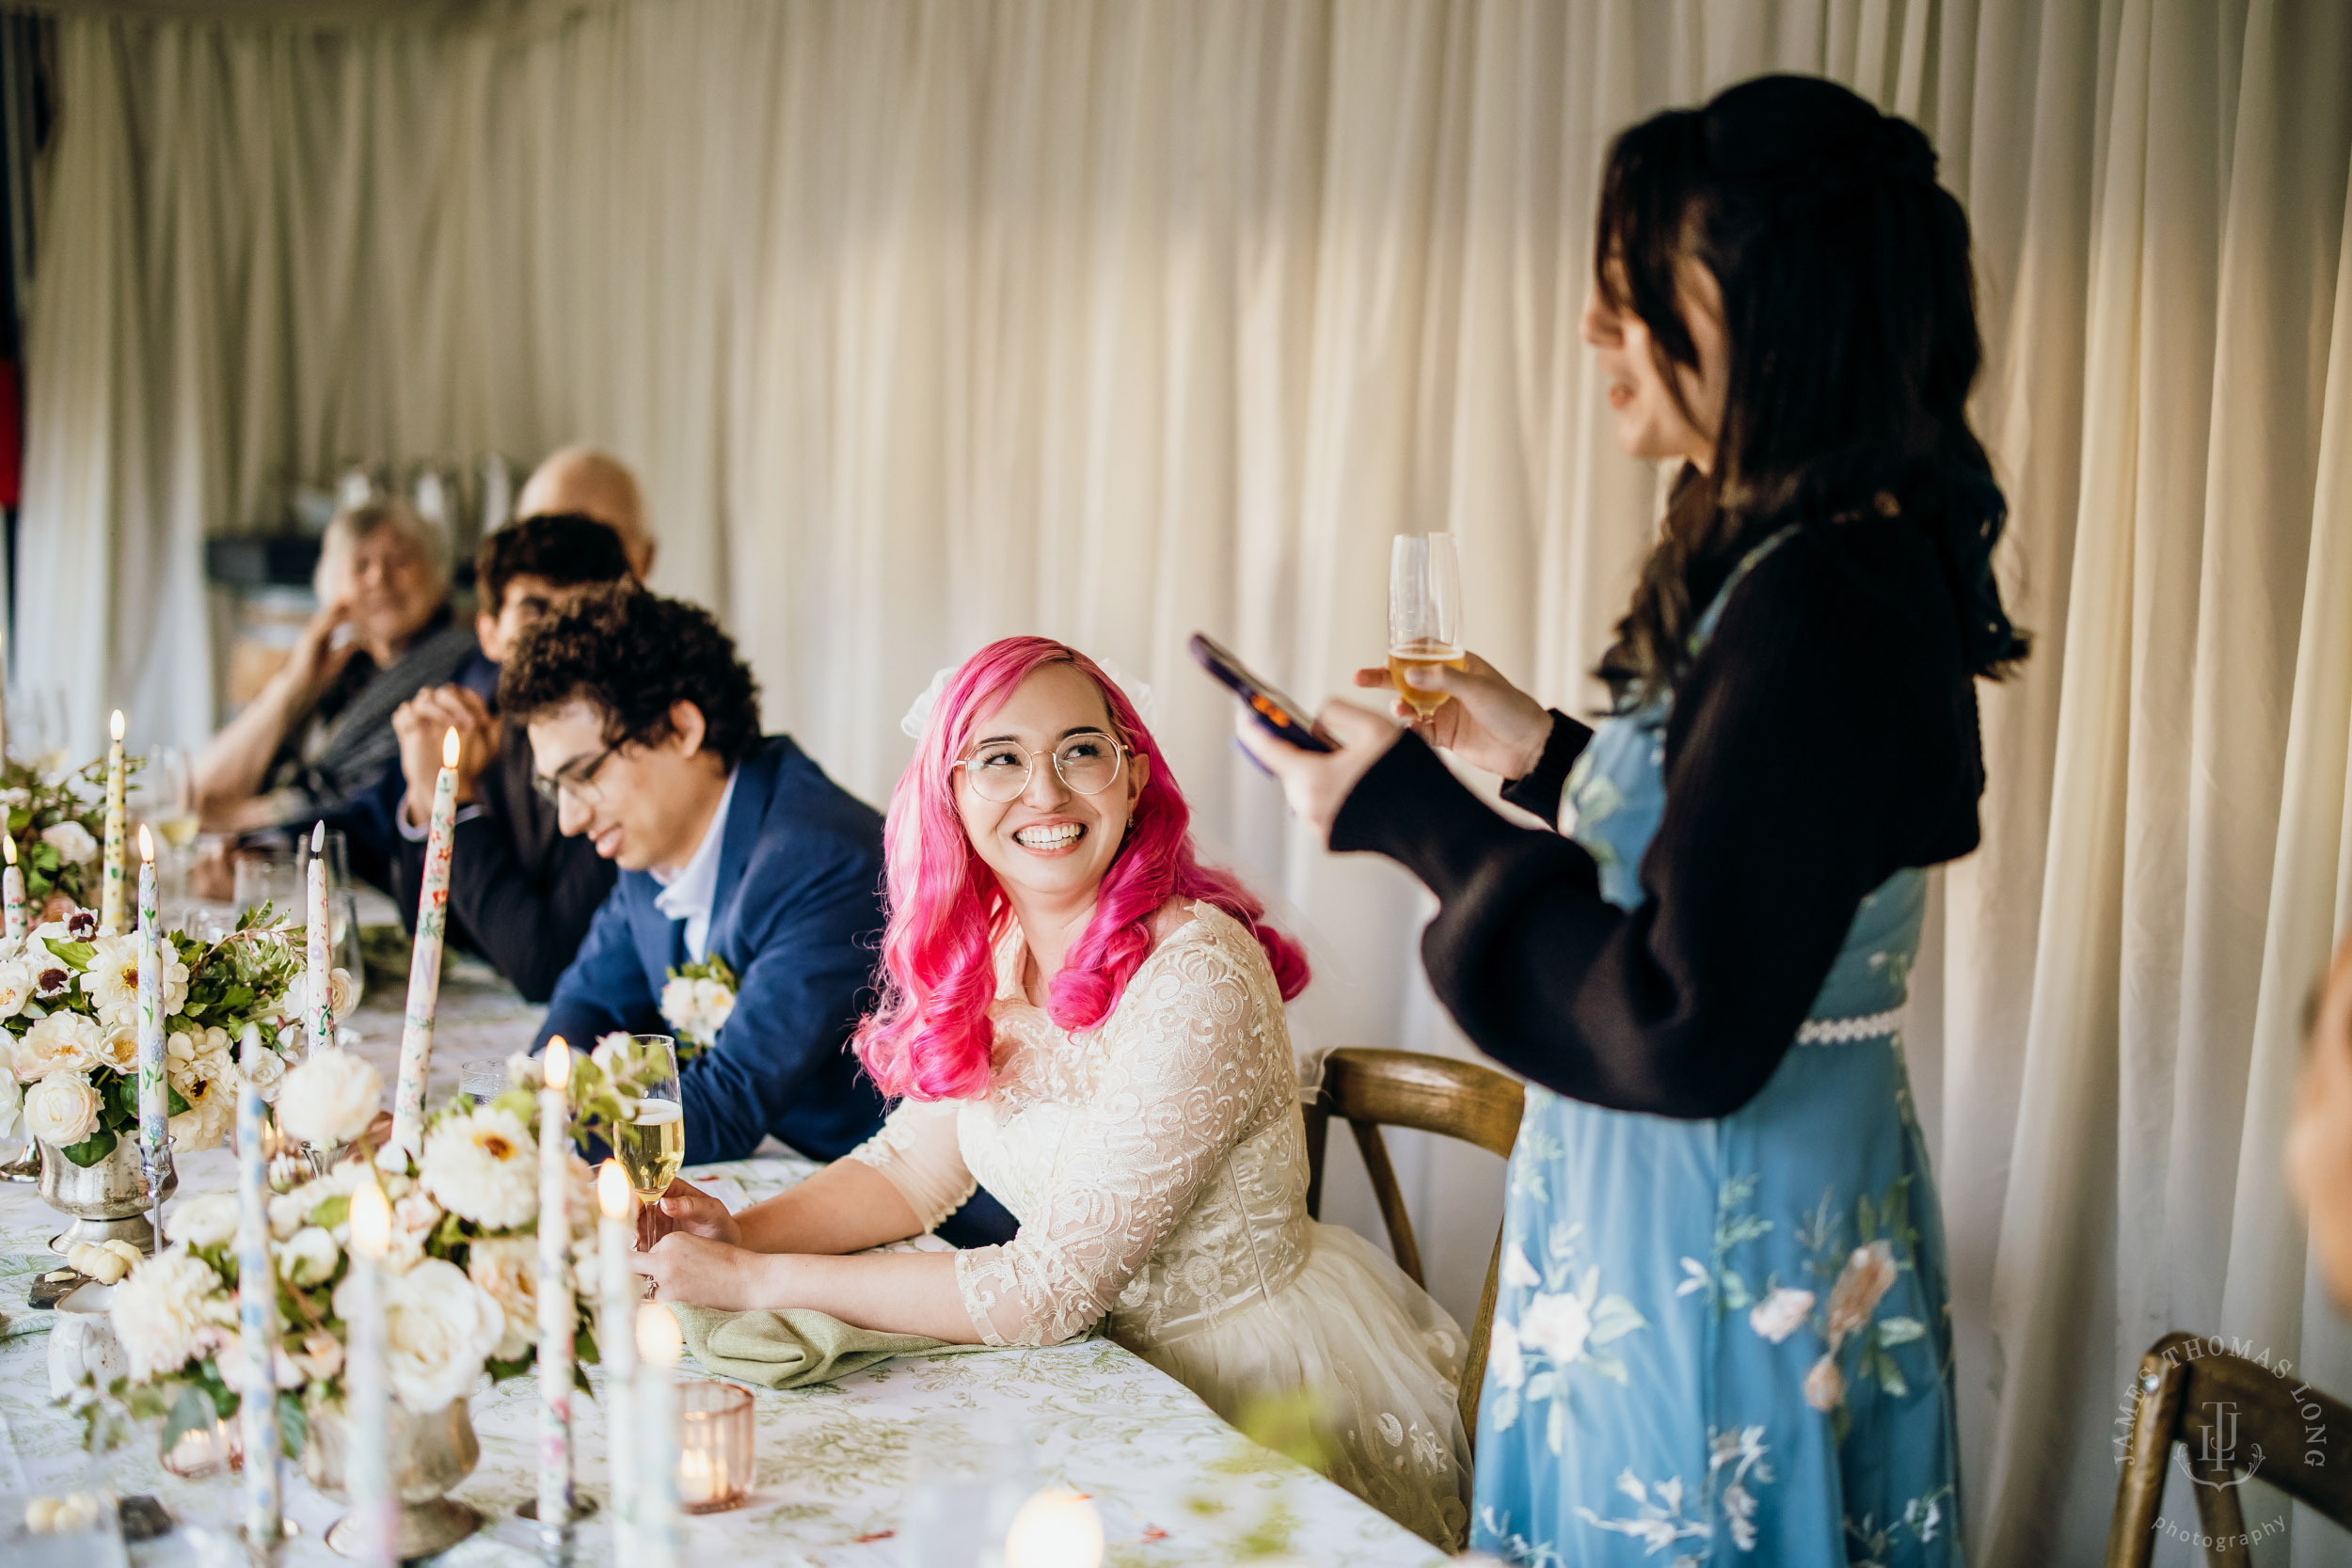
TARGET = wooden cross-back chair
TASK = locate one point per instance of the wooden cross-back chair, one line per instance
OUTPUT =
(1372, 1090)
(2239, 1421)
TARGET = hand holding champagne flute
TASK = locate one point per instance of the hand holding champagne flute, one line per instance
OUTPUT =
(651, 1145)
(1451, 697)
(1424, 613)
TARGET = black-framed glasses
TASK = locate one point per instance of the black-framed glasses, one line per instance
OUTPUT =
(1089, 762)
(580, 782)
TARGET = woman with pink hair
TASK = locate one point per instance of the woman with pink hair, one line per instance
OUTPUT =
(1080, 1014)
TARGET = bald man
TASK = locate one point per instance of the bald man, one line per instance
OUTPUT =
(591, 483)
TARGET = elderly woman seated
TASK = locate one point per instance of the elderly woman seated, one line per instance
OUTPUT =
(319, 736)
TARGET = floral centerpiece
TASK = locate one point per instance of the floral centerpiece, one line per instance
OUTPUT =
(462, 1276)
(57, 823)
(69, 1021)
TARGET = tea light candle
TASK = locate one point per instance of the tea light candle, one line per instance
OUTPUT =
(656, 1487)
(424, 960)
(367, 1405)
(1056, 1528)
(556, 1312)
(714, 1467)
(616, 1340)
(320, 999)
(117, 836)
(154, 1099)
(12, 886)
(257, 1314)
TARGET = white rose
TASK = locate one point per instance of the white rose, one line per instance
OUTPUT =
(164, 1312)
(267, 1069)
(522, 1070)
(1503, 1355)
(61, 1042)
(338, 994)
(439, 1327)
(209, 1220)
(118, 1048)
(482, 1165)
(209, 1121)
(714, 1001)
(16, 985)
(1557, 1324)
(1781, 1314)
(414, 1217)
(309, 1258)
(71, 840)
(507, 1269)
(62, 1109)
(287, 1215)
(329, 1099)
(678, 1004)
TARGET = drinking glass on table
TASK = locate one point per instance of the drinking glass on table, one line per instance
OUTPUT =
(651, 1144)
(1425, 612)
(964, 1489)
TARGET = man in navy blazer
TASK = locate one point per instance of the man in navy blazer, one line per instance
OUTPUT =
(644, 727)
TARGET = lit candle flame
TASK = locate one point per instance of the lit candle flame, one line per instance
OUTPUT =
(371, 1221)
(114, 725)
(7, 846)
(658, 1342)
(449, 748)
(318, 838)
(559, 1063)
(613, 1191)
(147, 844)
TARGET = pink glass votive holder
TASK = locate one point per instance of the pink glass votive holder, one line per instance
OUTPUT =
(714, 1449)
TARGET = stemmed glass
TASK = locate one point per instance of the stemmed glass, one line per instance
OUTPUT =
(651, 1144)
(1424, 613)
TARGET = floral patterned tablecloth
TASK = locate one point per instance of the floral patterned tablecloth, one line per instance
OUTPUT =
(1175, 1484)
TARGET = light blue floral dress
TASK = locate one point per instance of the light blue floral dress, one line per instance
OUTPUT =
(1726, 1341)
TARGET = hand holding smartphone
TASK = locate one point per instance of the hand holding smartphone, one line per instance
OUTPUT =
(1278, 715)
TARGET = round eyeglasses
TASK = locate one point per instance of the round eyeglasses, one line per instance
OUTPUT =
(1089, 762)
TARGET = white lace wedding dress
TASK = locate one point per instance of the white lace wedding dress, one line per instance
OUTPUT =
(1158, 1167)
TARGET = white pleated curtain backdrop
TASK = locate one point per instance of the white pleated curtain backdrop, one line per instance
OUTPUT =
(927, 323)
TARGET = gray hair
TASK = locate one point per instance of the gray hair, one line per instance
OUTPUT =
(354, 523)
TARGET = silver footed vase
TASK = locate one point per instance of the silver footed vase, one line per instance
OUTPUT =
(428, 1454)
(106, 1200)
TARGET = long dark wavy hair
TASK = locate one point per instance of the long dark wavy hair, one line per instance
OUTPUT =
(1850, 306)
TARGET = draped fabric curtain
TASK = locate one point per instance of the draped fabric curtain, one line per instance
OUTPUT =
(928, 322)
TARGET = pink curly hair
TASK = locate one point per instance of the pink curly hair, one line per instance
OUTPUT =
(931, 1038)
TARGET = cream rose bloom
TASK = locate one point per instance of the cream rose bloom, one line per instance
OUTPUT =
(61, 1042)
(16, 985)
(340, 994)
(507, 1269)
(714, 1004)
(329, 1099)
(1781, 1313)
(166, 1312)
(71, 840)
(439, 1327)
(267, 1069)
(118, 1048)
(309, 1257)
(209, 1220)
(319, 1356)
(62, 1109)
(482, 1165)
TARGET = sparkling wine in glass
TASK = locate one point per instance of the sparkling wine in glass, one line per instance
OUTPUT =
(651, 1144)
(1425, 612)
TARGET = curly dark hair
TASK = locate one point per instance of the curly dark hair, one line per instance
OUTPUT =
(631, 655)
(561, 548)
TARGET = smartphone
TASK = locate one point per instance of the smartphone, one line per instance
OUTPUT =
(1279, 715)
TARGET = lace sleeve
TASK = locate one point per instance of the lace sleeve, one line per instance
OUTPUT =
(916, 1153)
(1174, 1093)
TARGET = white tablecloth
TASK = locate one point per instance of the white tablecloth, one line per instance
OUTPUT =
(1175, 1484)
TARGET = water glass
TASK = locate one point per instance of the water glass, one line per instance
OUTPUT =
(1425, 612)
(964, 1492)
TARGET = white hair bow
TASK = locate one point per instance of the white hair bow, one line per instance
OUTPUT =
(918, 721)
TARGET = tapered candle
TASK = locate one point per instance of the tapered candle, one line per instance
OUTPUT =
(12, 885)
(656, 1456)
(555, 1304)
(154, 1099)
(257, 1312)
(616, 1340)
(320, 999)
(111, 889)
(367, 1403)
(424, 960)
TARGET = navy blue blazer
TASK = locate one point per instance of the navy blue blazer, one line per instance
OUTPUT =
(798, 916)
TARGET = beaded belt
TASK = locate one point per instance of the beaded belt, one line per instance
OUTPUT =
(1847, 1031)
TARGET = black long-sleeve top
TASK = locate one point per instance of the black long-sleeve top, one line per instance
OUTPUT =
(1824, 738)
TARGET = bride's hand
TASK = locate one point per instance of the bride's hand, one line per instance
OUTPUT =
(699, 1272)
(1489, 723)
(687, 1209)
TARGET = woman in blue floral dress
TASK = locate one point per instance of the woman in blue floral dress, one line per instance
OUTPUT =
(1723, 1333)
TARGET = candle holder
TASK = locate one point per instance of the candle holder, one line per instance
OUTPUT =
(715, 1446)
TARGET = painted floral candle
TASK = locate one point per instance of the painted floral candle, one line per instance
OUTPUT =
(319, 1001)
(424, 961)
(367, 1400)
(556, 1312)
(154, 1097)
(111, 889)
(257, 1314)
(655, 1485)
(616, 1341)
(12, 887)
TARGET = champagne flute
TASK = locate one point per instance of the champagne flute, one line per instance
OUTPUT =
(651, 1144)
(1424, 613)
(169, 787)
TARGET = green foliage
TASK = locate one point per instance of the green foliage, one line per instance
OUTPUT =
(37, 804)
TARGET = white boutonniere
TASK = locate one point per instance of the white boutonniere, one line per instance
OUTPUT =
(696, 1003)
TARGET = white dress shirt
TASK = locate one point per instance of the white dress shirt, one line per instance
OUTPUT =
(687, 894)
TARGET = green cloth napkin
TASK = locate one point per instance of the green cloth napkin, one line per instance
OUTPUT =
(794, 1349)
